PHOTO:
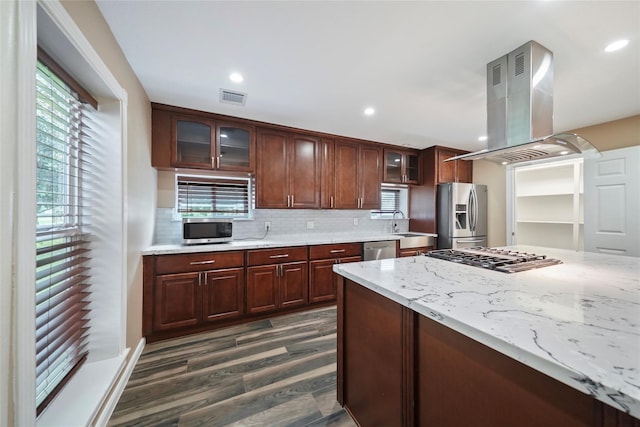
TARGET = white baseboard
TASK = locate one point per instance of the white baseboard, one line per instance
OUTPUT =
(102, 418)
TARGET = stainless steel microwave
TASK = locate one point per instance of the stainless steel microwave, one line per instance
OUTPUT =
(197, 231)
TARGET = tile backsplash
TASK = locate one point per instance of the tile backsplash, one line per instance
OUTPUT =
(285, 221)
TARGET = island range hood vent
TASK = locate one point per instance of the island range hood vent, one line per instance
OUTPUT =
(520, 111)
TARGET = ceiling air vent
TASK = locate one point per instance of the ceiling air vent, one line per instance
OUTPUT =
(232, 97)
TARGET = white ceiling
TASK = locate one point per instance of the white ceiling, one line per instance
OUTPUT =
(421, 65)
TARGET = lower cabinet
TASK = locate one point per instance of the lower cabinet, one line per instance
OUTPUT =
(406, 252)
(276, 279)
(322, 279)
(191, 290)
(189, 299)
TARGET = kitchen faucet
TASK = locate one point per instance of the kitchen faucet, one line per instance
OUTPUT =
(394, 225)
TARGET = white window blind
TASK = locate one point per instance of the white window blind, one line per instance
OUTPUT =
(213, 197)
(389, 200)
(62, 250)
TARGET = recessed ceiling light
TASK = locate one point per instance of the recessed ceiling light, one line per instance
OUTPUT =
(236, 77)
(483, 138)
(564, 153)
(369, 111)
(617, 45)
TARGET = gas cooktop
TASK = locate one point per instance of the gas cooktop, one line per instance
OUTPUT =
(503, 260)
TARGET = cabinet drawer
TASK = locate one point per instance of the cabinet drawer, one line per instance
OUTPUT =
(276, 256)
(198, 262)
(335, 250)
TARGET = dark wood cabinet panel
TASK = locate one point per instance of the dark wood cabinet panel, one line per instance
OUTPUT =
(277, 279)
(435, 376)
(198, 140)
(422, 198)
(347, 192)
(453, 171)
(288, 174)
(223, 294)
(407, 252)
(355, 177)
(401, 167)
(272, 184)
(262, 289)
(370, 176)
(198, 262)
(304, 166)
(294, 284)
(177, 301)
(322, 279)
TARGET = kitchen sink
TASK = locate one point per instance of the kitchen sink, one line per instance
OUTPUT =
(414, 240)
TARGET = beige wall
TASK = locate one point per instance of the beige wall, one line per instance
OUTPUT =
(605, 136)
(141, 180)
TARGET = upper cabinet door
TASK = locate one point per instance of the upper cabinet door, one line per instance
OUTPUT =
(234, 148)
(272, 185)
(370, 176)
(304, 172)
(401, 167)
(393, 166)
(192, 142)
(347, 193)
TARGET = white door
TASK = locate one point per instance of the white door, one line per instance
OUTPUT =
(612, 202)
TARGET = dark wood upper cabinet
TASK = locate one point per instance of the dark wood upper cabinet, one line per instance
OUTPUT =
(422, 198)
(453, 171)
(401, 167)
(352, 173)
(201, 141)
(288, 170)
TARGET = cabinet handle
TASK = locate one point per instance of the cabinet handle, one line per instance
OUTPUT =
(292, 202)
(211, 261)
(213, 162)
(279, 256)
(218, 162)
(331, 202)
(337, 251)
(288, 200)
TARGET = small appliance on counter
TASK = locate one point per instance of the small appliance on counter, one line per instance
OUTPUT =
(198, 231)
(461, 215)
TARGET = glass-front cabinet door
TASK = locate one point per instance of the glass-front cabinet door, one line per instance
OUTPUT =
(412, 169)
(234, 147)
(401, 167)
(393, 166)
(208, 144)
(193, 142)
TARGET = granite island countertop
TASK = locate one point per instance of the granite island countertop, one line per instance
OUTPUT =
(276, 241)
(578, 322)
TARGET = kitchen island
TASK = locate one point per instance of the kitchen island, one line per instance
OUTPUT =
(423, 341)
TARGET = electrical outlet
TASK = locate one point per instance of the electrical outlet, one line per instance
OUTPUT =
(267, 226)
(355, 221)
(310, 225)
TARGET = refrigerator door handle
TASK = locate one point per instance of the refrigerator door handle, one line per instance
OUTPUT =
(472, 209)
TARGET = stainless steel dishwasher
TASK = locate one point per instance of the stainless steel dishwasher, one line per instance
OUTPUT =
(379, 250)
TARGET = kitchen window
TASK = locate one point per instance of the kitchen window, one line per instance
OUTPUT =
(214, 197)
(63, 251)
(393, 199)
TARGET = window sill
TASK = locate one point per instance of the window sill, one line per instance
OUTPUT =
(81, 399)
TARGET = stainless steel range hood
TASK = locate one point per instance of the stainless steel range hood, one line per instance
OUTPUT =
(520, 111)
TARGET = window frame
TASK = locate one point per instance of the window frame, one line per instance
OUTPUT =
(222, 179)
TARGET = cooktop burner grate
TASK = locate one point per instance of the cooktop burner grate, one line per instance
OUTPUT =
(503, 260)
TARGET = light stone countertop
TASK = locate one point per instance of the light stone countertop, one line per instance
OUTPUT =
(275, 241)
(578, 322)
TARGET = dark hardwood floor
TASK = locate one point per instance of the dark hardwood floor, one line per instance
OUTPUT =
(276, 372)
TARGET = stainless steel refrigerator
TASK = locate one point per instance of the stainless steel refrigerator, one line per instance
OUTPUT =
(461, 215)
